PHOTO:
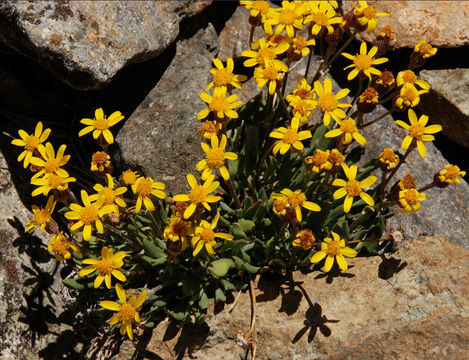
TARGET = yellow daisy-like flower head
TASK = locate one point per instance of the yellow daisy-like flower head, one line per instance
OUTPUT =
(449, 175)
(328, 102)
(288, 17)
(88, 215)
(322, 16)
(388, 159)
(264, 53)
(105, 267)
(210, 128)
(409, 77)
(127, 312)
(425, 49)
(367, 16)
(143, 188)
(271, 74)
(50, 163)
(352, 187)
(418, 132)
(336, 158)
(300, 46)
(111, 196)
(215, 158)
(101, 162)
(304, 239)
(50, 182)
(334, 248)
(41, 216)
(296, 200)
(304, 91)
(289, 137)
(221, 105)
(178, 229)
(258, 8)
(301, 108)
(349, 130)
(408, 96)
(62, 247)
(129, 177)
(319, 161)
(363, 62)
(199, 194)
(30, 142)
(409, 200)
(224, 76)
(407, 182)
(100, 125)
(204, 236)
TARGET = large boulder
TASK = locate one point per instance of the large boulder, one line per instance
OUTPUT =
(409, 305)
(85, 43)
(442, 24)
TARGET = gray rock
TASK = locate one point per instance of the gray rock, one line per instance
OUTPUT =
(234, 38)
(85, 43)
(448, 102)
(162, 135)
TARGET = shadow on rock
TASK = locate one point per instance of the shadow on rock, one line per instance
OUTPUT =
(389, 267)
(335, 272)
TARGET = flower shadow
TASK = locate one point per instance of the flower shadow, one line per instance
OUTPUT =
(334, 273)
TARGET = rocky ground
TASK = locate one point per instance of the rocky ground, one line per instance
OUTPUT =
(60, 60)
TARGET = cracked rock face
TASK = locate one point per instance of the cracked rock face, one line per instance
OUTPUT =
(85, 43)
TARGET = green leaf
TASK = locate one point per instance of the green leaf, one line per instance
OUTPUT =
(238, 232)
(154, 262)
(246, 225)
(241, 265)
(220, 295)
(220, 267)
(152, 250)
(190, 286)
(203, 302)
(76, 284)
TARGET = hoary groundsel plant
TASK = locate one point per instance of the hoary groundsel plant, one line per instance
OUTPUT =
(274, 191)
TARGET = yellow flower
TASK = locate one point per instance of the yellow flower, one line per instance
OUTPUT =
(425, 49)
(418, 132)
(334, 248)
(105, 267)
(100, 125)
(288, 17)
(449, 174)
(178, 230)
(111, 196)
(304, 91)
(300, 45)
(352, 187)
(224, 76)
(143, 188)
(51, 182)
(88, 215)
(322, 15)
(30, 142)
(388, 159)
(61, 246)
(367, 16)
(328, 102)
(209, 128)
(409, 200)
(271, 74)
(199, 194)
(219, 104)
(50, 164)
(336, 158)
(363, 62)
(301, 108)
(205, 236)
(101, 162)
(296, 199)
(289, 137)
(129, 177)
(264, 54)
(409, 96)
(319, 161)
(41, 216)
(304, 239)
(215, 158)
(348, 128)
(409, 77)
(257, 8)
(127, 312)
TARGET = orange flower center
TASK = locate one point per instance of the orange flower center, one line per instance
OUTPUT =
(279, 206)
(290, 136)
(270, 73)
(452, 172)
(408, 182)
(215, 157)
(417, 131)
(207, 235)
(411, 197)
(109, 195)
(222, 77)
(104, 267)
(303, 94)
(335, 157)
(31, 143)
(51, 165)
(409, 77)
(180, 227)
(296, 199)
(333, 248)
(55, 181)
(101, 124)
(287, 17)
(363, 62)
(300, 43)
(348, 126)
(369, 12)
(353, 187)
(219, 104)
(89, 214)
(409, 94)
(198, 194)
(319, 158)
(129, 177)
(144, 187)
(208, 128)
(261, 6)
(320, 19)
(41, 217)
(425, 49)
(61, 245)
(388, 155)
(306, 238)
(265, 54)
(127, 312)
(100, 157)
(327, 102)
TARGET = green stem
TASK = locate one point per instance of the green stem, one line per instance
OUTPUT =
(229, 183)
(284, 105)
(409, 150)
(357, 94)
(155, 224)
(262, 162)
